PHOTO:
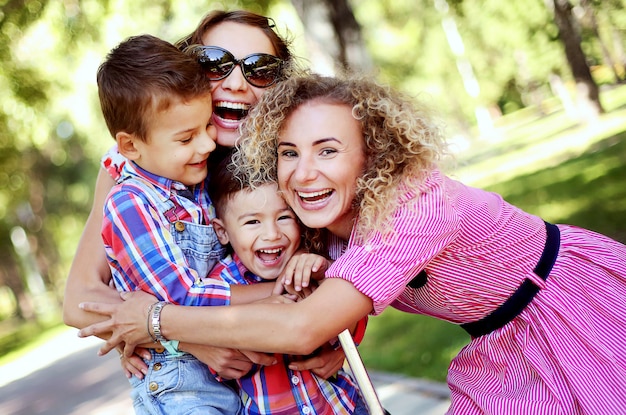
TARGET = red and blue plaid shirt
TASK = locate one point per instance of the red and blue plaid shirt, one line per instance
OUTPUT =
(278, 390)
(140, 248)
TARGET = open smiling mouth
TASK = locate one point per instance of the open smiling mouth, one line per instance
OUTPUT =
(315, 196)
(269, 255)
(231, 110)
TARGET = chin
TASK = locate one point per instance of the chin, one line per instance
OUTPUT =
(227, 138)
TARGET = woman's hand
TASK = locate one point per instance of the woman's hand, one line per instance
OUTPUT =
(127, 322)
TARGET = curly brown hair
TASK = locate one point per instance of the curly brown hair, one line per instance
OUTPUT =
(403, 140)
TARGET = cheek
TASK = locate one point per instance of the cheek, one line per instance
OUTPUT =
(258, 93)
(281, 175)
(215, 85)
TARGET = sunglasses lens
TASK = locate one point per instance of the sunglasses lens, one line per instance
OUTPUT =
(262, 70)
(217, 63)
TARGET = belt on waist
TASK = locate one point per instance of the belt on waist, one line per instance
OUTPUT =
(524, 294)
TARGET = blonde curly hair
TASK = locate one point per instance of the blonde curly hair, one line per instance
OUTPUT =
(403, 141)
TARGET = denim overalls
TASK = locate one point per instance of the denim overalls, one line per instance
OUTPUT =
(182, 384)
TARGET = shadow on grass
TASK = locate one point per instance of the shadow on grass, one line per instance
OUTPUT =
(588, 191)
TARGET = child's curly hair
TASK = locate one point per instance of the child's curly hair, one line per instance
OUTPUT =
(402, 140)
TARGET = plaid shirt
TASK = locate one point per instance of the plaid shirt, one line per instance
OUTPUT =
(276, 389)
(141, 250)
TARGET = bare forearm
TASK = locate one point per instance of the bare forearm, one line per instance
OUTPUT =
(245, 294)
(90, 274)
(283, 328)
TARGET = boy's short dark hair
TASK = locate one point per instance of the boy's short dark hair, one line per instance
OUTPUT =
(142, 76)
(223, 182)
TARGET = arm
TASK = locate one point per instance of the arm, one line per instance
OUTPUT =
(297, 328)
(89, 275)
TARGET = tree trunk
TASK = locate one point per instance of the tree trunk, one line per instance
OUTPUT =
(606, 54)
(333, 36)
(587, 93)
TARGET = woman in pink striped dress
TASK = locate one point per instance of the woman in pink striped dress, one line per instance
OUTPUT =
(358, 163)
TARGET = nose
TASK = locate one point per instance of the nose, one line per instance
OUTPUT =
(271, 231)
(206, 142)
(305, 170)
(235, 81)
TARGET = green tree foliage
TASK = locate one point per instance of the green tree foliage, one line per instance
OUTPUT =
(51, 131)
(513, 48)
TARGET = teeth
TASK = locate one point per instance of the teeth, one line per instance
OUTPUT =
(270, 251)
(314, 194)
(233, 105)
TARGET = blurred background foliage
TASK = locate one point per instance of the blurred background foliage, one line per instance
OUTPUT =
(477, 61)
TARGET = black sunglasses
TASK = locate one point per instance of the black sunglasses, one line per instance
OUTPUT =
(259, 69)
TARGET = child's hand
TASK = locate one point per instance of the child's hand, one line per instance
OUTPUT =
(278, 299)
(301, 268)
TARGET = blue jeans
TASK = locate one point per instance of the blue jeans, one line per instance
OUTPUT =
(181, 385)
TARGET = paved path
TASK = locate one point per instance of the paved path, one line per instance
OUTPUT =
(66, 377)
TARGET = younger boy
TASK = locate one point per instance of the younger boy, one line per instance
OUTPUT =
(264, 234)
(157, 220)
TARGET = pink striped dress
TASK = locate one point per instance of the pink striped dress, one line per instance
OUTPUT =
(565, 353)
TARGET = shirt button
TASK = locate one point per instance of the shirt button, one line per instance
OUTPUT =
(157, 366)
(306, 410)
(159, 349)
(179, 226)
(153, 386)
(295, 380)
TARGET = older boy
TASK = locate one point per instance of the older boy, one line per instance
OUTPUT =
(157, 220)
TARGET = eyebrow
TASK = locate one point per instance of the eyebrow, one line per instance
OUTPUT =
(184, 132)
(316, 142)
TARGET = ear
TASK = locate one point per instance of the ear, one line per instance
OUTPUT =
(126, 145)
(220, 231)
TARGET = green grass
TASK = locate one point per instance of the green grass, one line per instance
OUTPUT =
(18, 339)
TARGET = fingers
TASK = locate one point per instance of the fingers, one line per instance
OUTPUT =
(129, 349)
(325, 364)
(107, 347)
(300, 268)
(96, 329)
(260, 358)
(98, 308)
(133, 366)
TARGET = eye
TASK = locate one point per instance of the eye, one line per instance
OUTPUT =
(328, 151)
(286, 217)
(288, 154)
(186, 140)
(252, 222)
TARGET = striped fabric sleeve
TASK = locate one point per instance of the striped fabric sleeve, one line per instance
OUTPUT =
(423, 226)
(144, 256)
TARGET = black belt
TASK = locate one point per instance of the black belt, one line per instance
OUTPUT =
(518, 301)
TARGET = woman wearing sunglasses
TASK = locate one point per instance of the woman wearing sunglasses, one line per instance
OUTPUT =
(243, 56)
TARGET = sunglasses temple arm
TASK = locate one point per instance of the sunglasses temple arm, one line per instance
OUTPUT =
(360, 374)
